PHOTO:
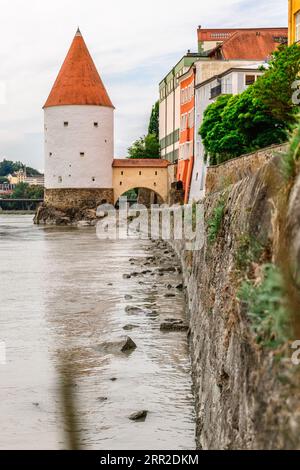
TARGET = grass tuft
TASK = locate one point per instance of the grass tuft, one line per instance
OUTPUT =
(215, 222)
(267, 307)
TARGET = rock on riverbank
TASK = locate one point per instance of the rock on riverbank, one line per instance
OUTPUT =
(49, 215)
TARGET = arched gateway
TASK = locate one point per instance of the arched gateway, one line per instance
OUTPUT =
(146, 173)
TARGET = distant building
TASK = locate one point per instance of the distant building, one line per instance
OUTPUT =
(20, 176)
(38, 180)
(233, 81)
(169, 91)
(17, 177)
(169, 107)
(294, 21)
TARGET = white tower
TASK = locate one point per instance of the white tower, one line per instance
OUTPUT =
(79, 133)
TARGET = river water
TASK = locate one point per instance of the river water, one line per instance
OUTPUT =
(63, 294)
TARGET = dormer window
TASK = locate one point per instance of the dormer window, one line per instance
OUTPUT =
(66, 124)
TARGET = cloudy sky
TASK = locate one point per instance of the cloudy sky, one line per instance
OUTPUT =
(134, 43)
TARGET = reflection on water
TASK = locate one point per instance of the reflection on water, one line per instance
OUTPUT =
(62, 295)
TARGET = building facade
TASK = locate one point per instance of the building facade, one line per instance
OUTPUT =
(186, 139)
(235, 78)
(79, 131)
(294, 21)
(169, 91)
(169, 108)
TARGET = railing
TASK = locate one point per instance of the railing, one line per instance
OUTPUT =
(19, 204)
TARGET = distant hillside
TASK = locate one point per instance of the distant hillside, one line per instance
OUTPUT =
(9, 167)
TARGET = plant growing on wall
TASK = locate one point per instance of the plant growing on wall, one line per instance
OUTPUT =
(215, 222)
(266, 306)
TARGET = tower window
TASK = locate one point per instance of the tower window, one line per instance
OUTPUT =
(82, 154)
(122, 173)
(154, 184)
(66, 123)
(156, 173)
(93, 178)
(140, 173)
(96, 124)
(120, 183)
(60, 179)
(50, 154)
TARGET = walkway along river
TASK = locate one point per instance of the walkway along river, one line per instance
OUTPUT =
(63, 294)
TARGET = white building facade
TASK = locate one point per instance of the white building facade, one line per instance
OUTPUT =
(234, 79)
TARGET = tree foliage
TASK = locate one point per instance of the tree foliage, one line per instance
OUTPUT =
(154, 121)
(145, 147)
(260, 116)
(148, 146)
(275, 87)
(24, 191)
(9, 167)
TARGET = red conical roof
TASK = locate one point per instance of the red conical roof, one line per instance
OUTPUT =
(78, 81)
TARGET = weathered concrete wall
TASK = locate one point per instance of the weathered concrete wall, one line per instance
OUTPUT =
(219, 177)
(246, 397)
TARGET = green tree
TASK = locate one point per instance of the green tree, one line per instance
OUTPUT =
(275, 87)
(24, 191)
(148, 146)
(234, 125)
(154, 121)
(6, 167)
(145, 147)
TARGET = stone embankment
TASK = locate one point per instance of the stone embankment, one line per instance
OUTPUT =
(247, 393)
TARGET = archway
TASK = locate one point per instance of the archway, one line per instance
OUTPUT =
(140, 195)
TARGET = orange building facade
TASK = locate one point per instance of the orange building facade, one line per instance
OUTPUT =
(186, 141)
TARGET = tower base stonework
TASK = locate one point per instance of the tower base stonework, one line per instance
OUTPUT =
(78, 198)
(72, 206)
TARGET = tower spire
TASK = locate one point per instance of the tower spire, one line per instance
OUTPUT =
(78, 82)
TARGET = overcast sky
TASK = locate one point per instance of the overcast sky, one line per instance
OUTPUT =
(133, 43)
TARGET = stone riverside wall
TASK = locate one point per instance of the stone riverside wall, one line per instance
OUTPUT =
(246, 396)
(220, 176)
